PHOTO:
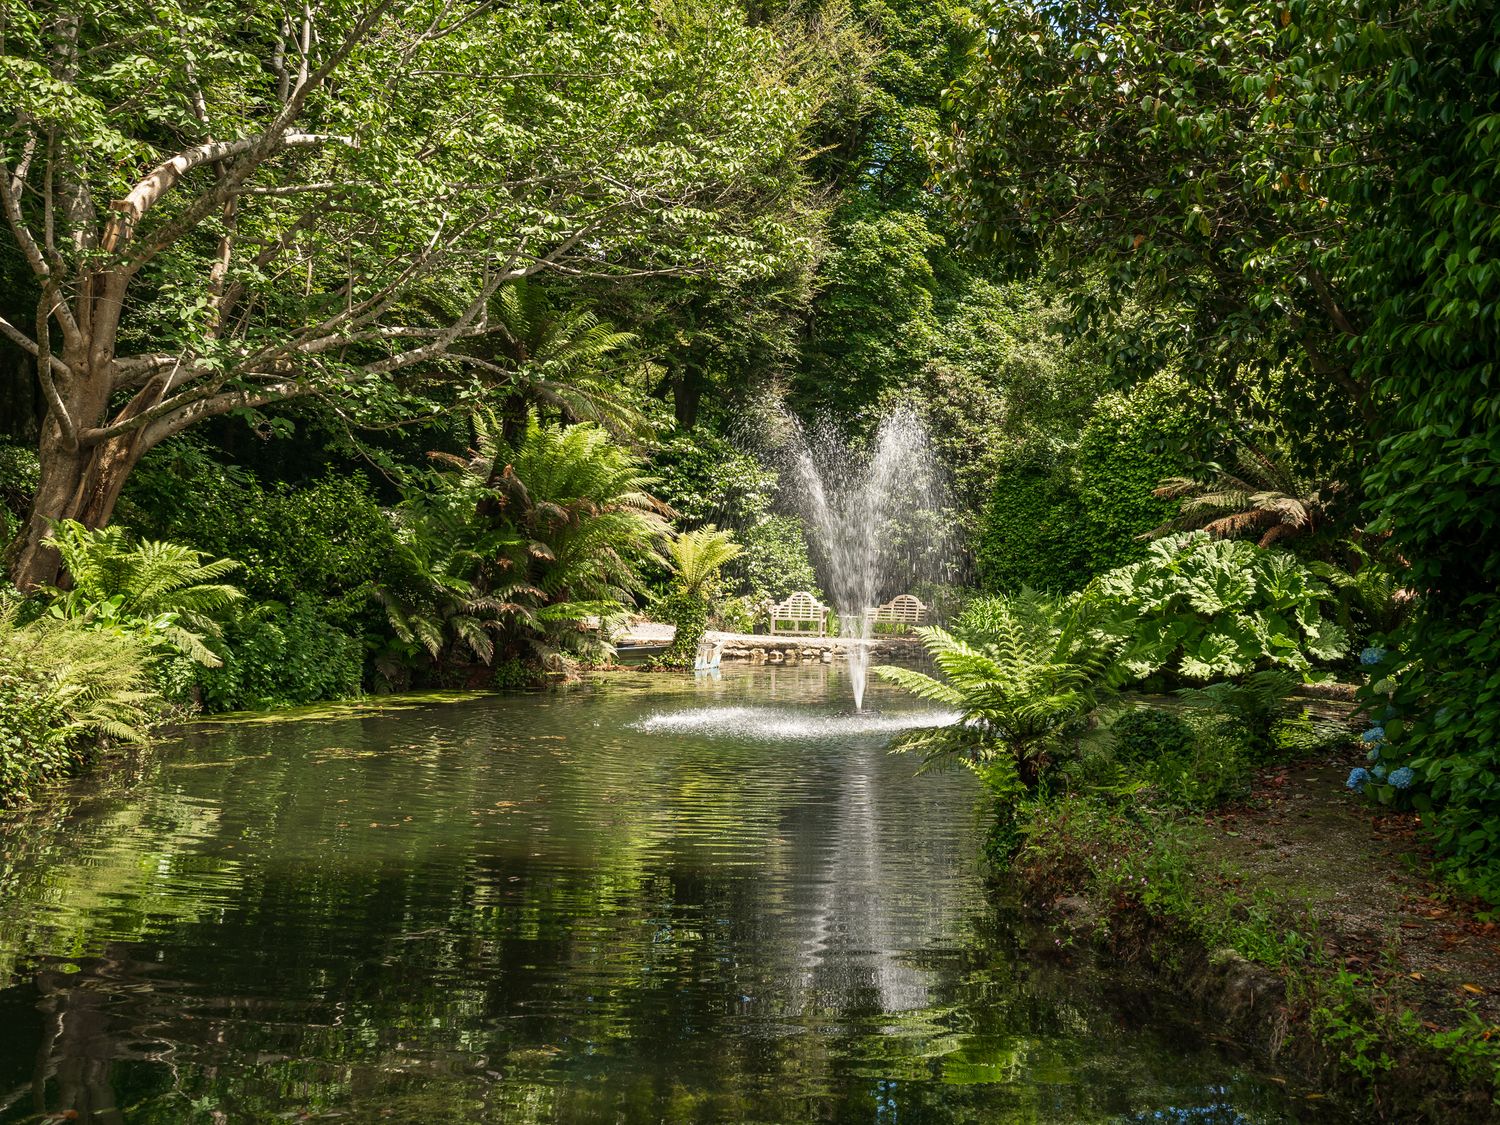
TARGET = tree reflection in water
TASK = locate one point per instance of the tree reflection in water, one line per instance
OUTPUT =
(524, 909)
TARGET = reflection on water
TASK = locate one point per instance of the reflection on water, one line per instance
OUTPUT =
(626, 902)
(788, 724)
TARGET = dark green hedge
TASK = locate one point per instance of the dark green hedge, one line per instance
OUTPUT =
(1059, 517)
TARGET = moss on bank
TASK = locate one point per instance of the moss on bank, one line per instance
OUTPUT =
(1335, 967)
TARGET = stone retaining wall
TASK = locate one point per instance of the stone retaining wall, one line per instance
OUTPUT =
(809, 650)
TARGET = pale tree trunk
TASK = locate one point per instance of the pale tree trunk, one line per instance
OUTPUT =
(76, 484)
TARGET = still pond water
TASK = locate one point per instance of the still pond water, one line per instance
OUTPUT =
(643, 899)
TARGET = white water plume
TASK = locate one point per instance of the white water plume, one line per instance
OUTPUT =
(874, 518)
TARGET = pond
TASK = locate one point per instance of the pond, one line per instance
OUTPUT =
(641, 899)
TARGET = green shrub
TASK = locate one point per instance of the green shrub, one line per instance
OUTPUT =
(509, 554)
(1147, 733)
(330, 539)
(20, 471)
(278, 657)
(1437, 705)
(1060, 515)
(65, 689)
(1214, 768)
(1201, 609)
(688, 614)
(1029, 534)
(734, 615)
(1189, 759)
(1131, 444)
(1027, 677)
(775, 561)
(515, 675)
(1257, 702)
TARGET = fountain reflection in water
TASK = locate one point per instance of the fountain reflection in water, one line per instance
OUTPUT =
(873, 518)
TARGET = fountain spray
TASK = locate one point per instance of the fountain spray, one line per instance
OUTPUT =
(873, 520)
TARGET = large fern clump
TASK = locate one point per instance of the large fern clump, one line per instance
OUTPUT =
(1027, 677)
(64, 689)
(526, 549)
(164, 593)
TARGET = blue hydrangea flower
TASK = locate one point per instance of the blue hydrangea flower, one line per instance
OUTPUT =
(1378, 773)
(1358, 777)
(1372, 655)
(1403, 777)
(1374, 734)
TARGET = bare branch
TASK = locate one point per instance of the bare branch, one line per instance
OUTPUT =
(136, 370)
(10, 202)
(292, 189)
(44, 370)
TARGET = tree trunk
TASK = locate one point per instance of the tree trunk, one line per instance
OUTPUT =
(62, 470)
(687, 391)
(75, 484)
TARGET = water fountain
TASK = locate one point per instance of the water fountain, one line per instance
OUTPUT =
(873, 518)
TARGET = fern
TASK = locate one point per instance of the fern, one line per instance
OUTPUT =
(166, 593)
(1028, 678)
(512, 547)
(696, 556)
(1263, 495)
(95, 685)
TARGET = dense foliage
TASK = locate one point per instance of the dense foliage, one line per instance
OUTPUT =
(443, 329)
(163, 594)
(1288, 202)
(1062, 511)
(65, 688)
(1025, 676)
(512, 551)
(1203, 609)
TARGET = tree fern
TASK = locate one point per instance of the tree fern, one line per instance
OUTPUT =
(513, 546)
(696, 556)
(1027, 678)
(1262, 496)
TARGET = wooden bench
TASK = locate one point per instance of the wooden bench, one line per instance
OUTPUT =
(904, 610)
(799, 613)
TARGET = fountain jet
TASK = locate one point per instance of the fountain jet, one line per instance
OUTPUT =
(874, 520)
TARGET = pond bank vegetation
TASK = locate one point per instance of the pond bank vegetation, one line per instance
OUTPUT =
(387, 353)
